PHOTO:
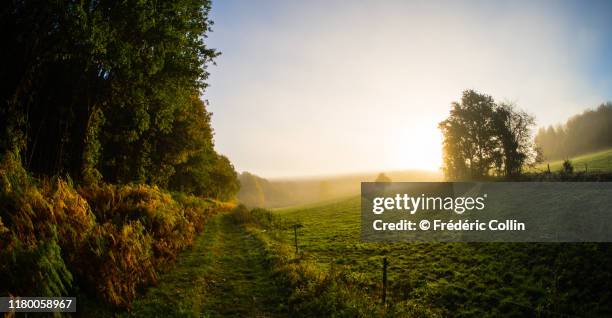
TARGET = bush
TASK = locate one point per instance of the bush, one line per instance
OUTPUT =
(118, 261)
(257, 217)
(106, 239)
(162, 217)
(568, 167)
(30, 255)
(143, 228)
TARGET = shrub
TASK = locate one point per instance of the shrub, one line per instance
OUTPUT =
(143, 228)
(118, 261)
(568, 167)
(112, 238)
(162, 217)
(71, 214)
(30, 255)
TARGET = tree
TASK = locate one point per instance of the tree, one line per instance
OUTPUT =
(223, 180)
(568, 167)
(513, 130)
(382, 178)
(583, 133)
(251, 191)
(110, 91)
(468, 147)
(482, 137)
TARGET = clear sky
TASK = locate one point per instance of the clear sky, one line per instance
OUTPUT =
(326, 87)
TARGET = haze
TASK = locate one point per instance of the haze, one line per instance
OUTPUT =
(326, 87)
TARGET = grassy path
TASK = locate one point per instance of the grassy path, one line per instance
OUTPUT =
(223, 274)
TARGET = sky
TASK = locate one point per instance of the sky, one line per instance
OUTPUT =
(307, 88)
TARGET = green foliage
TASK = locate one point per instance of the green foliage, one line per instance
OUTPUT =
(584, 133)
(481, 137)
(111, 91)
(92, 149)
(47, 274)
(598, 162)
(119, 259)
(108, 239)
(29, 236)
(103, 92)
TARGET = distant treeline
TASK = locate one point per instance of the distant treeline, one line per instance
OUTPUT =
(259, 192)
(110, 91)
(583, 133)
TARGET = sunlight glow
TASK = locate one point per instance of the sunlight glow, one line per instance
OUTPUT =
(293, 98)
(420, 148)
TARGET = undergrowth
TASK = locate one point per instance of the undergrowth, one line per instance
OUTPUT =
(106, 240)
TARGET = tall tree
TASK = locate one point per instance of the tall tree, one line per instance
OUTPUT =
(513, 131)
(482, 138)
(105, 90)
(469, 149)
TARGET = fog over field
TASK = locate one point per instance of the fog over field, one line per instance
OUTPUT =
(280, 192)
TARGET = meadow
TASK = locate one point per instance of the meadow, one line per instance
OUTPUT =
(600, 161)
(454, 279)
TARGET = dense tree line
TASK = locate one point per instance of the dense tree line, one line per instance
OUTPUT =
(583, 133)
(484, 138)
(110, 91)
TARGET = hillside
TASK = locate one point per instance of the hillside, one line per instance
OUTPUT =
(587, 132)
(458, 279)
(600, 161)
(256, 191)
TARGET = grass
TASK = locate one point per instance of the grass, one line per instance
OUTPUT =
(460, 279)
(222, 275)
(595, 162)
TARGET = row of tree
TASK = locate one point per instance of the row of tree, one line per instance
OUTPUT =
(583, 133)
(110, 91)
(484, 138)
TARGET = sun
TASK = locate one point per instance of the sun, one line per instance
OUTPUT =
(417, 147)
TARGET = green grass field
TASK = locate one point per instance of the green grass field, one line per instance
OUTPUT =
(595, 162)
(460, 279)
(223, 275)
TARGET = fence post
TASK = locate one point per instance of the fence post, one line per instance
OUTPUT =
(384, 291)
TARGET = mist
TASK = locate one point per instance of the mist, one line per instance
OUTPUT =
(256, 191)
(583, 133)
(360, 86)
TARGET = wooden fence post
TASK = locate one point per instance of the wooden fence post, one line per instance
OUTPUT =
(384, 291)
